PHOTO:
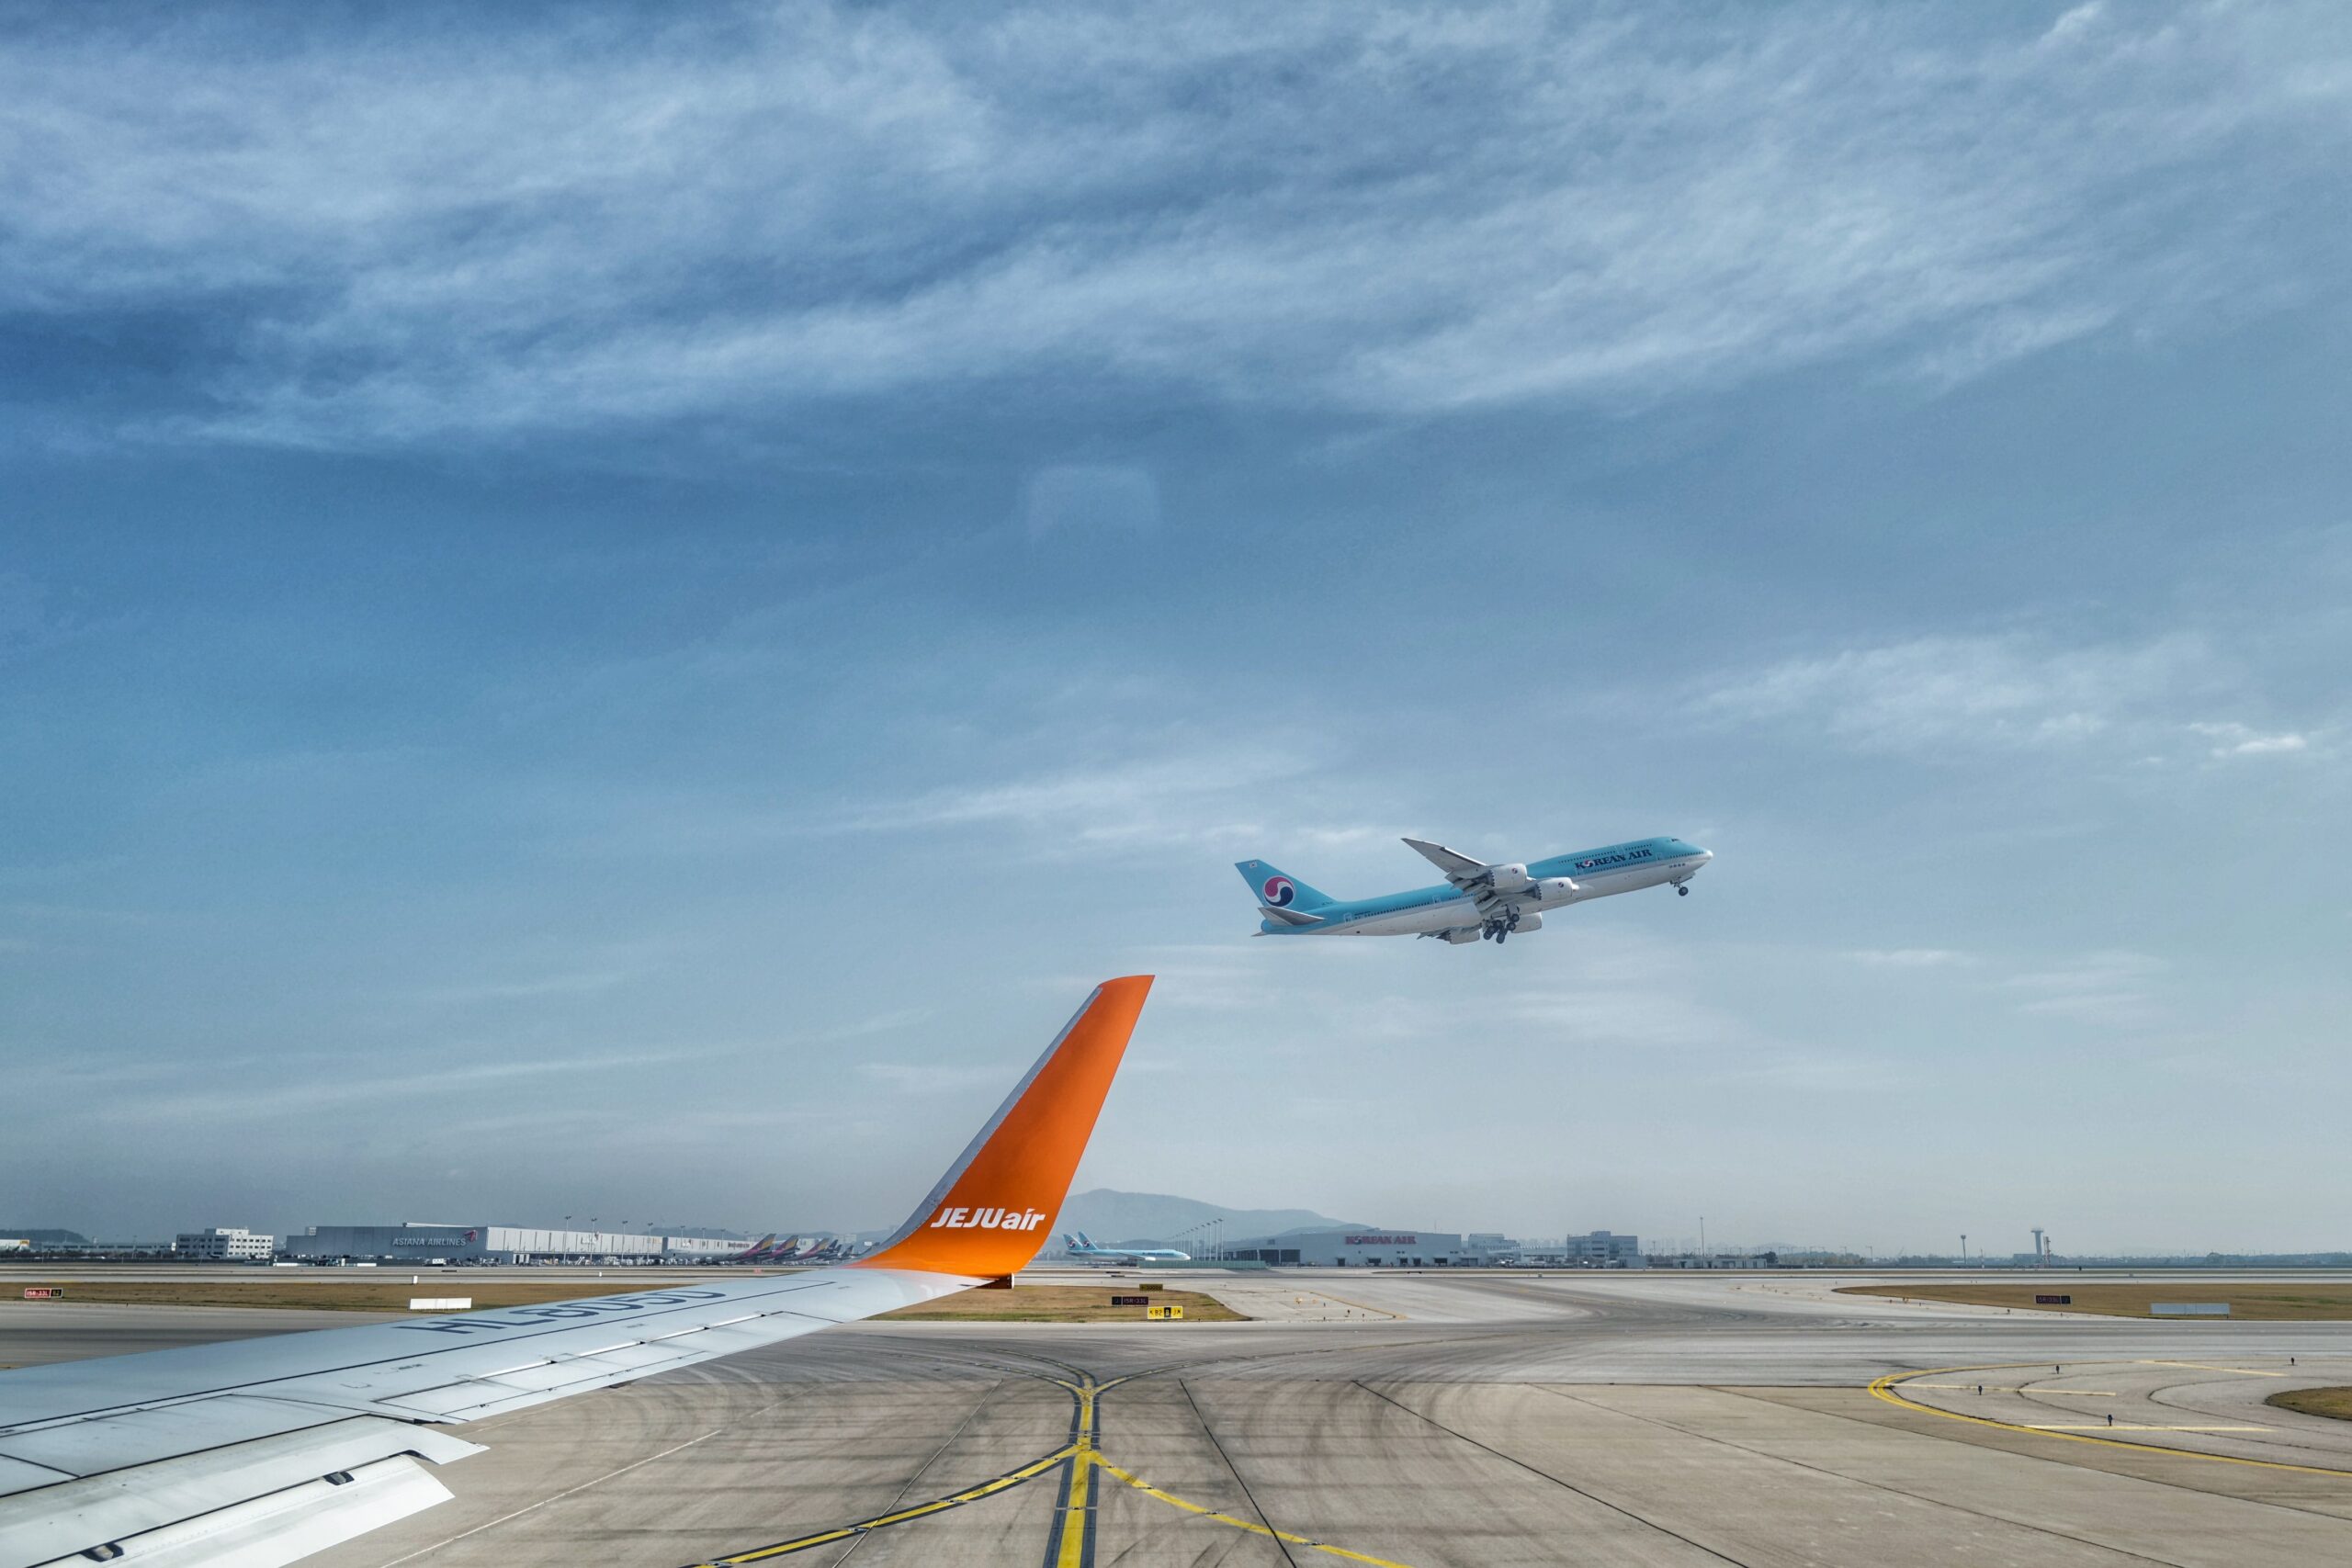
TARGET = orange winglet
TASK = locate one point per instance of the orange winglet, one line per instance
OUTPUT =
(988, 1215)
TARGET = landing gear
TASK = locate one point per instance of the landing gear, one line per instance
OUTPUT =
(1681, 890)
(1500, 927)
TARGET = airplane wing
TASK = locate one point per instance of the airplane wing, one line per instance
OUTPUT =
(1459, 869)
(1289, 917)
(261, 1451)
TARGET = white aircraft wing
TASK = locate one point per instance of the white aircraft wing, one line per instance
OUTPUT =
(1460, 869)
(261, 1451)
(1275, 912)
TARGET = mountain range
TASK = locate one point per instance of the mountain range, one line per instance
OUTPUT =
(1122, 1219)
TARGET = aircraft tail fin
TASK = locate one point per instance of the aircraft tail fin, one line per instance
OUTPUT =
(986, 1217)
(1276, 889)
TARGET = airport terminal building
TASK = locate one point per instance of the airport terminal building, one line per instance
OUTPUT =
(1355, 1249)
(1602, 1250)
(415, 1241)
(225, 1243)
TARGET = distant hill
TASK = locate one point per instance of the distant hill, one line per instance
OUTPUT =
(1124, 1219)
(40, 1237)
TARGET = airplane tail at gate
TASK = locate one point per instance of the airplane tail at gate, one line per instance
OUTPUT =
(987, 1217)
(1277, 889)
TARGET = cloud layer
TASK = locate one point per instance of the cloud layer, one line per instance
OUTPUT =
(439, 225)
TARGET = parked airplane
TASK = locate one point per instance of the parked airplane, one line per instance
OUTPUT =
(756, 1251)
(260, 1452)
(1082, 1249)
(1477, 901)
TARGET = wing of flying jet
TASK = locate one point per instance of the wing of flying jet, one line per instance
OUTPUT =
(1470, 875)
(1499, 892)
(258, 1452)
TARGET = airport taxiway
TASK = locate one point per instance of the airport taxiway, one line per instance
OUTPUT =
(1460, 1419)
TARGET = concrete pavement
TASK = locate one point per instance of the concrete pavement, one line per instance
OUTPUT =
(1477, 1420)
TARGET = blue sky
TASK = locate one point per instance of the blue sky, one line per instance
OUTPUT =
(609, 613)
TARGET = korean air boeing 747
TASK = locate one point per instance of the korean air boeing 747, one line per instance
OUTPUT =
(1082, 1249)
(1477, 901)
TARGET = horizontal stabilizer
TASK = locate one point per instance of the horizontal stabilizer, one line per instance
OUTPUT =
(1289, 917)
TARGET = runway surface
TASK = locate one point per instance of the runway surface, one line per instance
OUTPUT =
(1419, 1420)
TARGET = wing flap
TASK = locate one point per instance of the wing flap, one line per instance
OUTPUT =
(64, 1520)
(141, 1436)
(286, 1525)
(21, 1475)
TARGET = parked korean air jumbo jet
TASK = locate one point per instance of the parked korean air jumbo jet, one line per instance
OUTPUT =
(1081, 1247)
(260, 1452)
(1477, 901)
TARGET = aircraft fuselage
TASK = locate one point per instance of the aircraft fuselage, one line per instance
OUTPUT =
(1596, 874)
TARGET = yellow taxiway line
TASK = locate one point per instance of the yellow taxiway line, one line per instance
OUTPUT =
(2127, 1426)
(1883, 1388)
(1148, 1490)
(1029, 1471)
(1073, 1540)
(2017, 1388)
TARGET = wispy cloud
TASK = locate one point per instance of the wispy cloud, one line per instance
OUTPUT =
(930, 1078)
(537, 988)
(2127, 700)
(1082, 497)
(1914, 958)
(2007, 690)
(2113, 987)
(1196, 798)
(290, 1093)
(2233, 739)
(423, 229)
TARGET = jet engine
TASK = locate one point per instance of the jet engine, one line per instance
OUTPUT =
(1507, 878)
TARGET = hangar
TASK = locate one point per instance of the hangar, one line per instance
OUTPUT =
(416, 1241)
(1337, 1248)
